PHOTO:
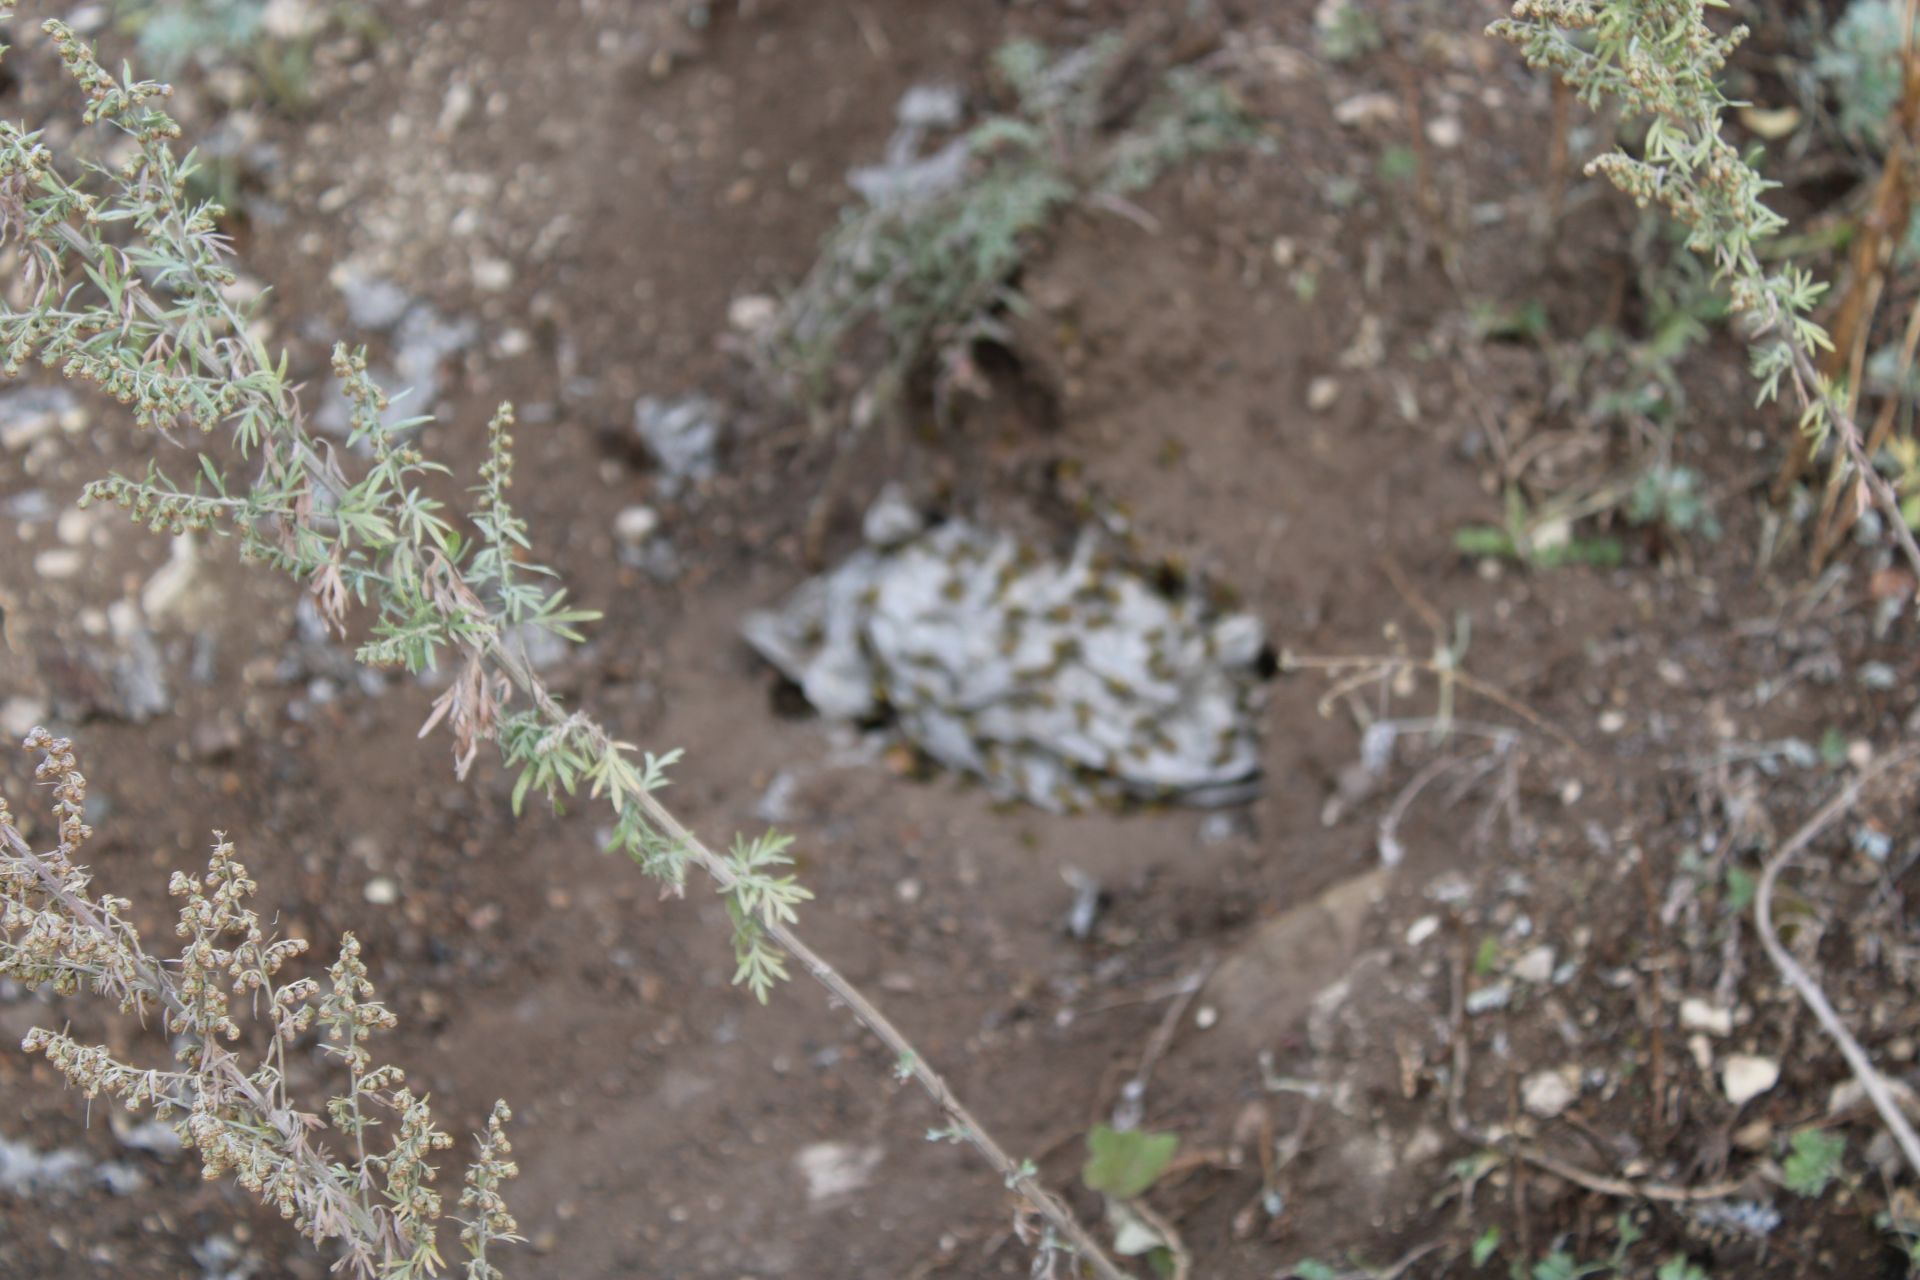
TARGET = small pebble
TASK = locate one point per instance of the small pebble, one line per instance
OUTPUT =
(1536, 966)
(19, 716)
(1548, 1093)
(752, 312)
(634, 525)
(1745, 1077)
(493, 275)
(59, 562)
(1322, 392)
(382, 891)
(1700, 1015)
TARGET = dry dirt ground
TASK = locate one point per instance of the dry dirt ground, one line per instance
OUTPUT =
(593, 187)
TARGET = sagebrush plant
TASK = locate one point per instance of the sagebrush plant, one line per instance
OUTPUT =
(933, 267)
(124, 284)
(172, 33)
(272, 40)
(228, 1096)
(1661, 61)
(1859, 60)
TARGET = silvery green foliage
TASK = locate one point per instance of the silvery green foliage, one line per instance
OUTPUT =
(1661, 61)
(1061, 682)
(173, 33)
(927, 260)
(361, 1179)
(1859, 61)
(126, 283)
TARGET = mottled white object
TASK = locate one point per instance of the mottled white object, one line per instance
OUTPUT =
(1055, 681)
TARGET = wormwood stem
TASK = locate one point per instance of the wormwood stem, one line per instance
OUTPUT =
(193, 358)
(1015, 1174)
(1661, 61)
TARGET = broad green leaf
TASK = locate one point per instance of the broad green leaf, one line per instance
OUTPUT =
(1123, 1164)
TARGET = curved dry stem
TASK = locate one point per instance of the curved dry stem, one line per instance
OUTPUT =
(1802, 982)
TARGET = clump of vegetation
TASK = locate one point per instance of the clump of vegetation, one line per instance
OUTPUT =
(124, 285)
(1814, 1162)
(1859, 62)
(1663, 62)
(226, 1099)
(176, 33)
(273, 40)
(1345, 31)
(1670, 498)
(928, 265)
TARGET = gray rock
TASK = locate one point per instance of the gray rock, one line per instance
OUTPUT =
(19, 715)
(26, 1172)
(120, 1178)
(139, 676)
(682, 434)
(29, 414)
(31, 506)
(423, 342)
(372, 301)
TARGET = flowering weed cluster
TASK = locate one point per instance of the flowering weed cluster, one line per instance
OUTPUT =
(227, 1097)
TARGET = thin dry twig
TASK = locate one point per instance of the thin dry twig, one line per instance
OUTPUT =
(1599, 1183)
(1129, 1110)
(1797, 976)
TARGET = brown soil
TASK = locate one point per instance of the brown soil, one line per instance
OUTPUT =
(660, 1112)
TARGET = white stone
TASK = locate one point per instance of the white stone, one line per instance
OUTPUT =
(74, 526)
(1445, 132)
(1547, 1093)
(1703, 1015)
(836, 1169)
(1744, 1077)
(290, 19)
(456, 106)
(1425, 1144)
(60, 562)
(19, 717)
(635, 524)
(30, 414)
(382, 891)
(169, 585)
(1422, 929)
(492, 275)
(1378, 107)
(1536, 966)
(750, 313)
(1321, 393)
